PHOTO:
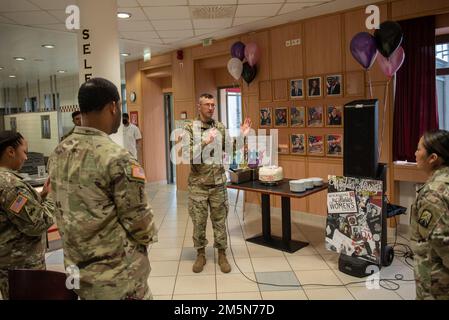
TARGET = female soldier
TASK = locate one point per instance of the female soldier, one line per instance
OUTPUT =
(430, 218)
(25, 215)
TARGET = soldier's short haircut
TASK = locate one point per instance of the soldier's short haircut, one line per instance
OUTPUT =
(95, 94)
(125, 115)
(9, 138)
(206, 96)
(437, 142)
(74, 114)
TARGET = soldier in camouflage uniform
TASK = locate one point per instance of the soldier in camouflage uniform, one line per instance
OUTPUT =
(76, 118)
(207, 182)
(430, 218)
(102, 210)
(25, 215)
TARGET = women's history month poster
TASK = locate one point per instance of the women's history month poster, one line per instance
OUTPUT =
(354, 217)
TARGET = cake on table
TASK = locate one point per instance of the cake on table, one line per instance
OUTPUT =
(271, 174)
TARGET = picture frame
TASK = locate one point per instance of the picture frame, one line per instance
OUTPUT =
(315, 145)
(134, 118)
(298, 144)
(334, 85)
(297, 117)
(314, 88)
(334, 116)
(334, 145)
(297, 89)
(315, 116)
(265, 117)
(280, 117)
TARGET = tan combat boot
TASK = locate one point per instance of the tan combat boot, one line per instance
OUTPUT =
(223, 262)
(200, 261)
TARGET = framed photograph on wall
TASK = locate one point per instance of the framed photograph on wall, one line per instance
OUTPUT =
(134, 118)
(297, 116)
(334, 85)
(334, 116)
(315, 116)
(265, 117)
(296, 89)
(281, 117)
(315, 145)
(334, 145)
(298, 144)
(314, 87)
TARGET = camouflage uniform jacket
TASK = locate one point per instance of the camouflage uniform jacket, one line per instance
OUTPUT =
(24, 220)
(68, 134)
(430, 237)
(103, 214)
(202, 173)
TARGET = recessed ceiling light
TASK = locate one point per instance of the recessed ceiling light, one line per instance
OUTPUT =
(62, 71)
(124, 15)
(12, 76)
(48, 46)
(19, 58)
(1, 68)
(125, 54)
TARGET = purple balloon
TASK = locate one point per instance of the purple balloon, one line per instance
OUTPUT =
(363, 49)
(238, 50)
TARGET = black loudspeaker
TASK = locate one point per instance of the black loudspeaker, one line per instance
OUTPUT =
(360, 139)
(356, 267)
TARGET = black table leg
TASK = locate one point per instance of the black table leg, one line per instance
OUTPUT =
(266, 239)
(266, 219)
(286, 223)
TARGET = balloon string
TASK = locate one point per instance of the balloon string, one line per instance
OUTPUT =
(370, 84)
(383, 120)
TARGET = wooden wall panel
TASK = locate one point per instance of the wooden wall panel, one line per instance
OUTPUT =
(183, 77)
(280, 53)
(204, 81)
(280, 90)
(407, 9)
(355, 84)
(156, 61)
(221, 47)
(222, 78)
(265, 91)
(134, 83)
(166, 84)
(154, 124)
(295, 168)
(323, 45)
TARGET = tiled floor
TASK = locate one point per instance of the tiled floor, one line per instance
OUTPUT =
(280, 274)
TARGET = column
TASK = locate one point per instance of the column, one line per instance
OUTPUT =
(98, 45)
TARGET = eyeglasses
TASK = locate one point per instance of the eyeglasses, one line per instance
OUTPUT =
(210, 105)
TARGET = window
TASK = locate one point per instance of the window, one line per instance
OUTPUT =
(230, 105)
(442, 80)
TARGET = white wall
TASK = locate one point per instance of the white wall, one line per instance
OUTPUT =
(29, 125)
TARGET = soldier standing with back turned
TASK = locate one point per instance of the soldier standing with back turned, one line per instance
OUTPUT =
(102, 210)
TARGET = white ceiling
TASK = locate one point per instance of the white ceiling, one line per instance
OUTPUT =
(158, 25)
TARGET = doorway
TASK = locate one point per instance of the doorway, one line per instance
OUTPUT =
(169, 127)
(230, 109)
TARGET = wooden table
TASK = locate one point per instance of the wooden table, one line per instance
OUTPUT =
(282, 189)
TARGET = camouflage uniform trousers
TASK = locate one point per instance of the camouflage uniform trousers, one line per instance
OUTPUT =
(4, 283)
(201, 198)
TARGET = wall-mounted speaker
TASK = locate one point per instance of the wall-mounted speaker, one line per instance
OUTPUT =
(360, 139)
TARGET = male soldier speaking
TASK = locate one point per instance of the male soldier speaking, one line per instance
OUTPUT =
(102, 211)
(207, 183)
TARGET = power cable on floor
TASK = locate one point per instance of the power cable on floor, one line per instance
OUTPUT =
(398, 276)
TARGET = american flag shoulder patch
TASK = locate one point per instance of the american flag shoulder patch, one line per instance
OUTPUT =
(137, 172)
(18, 204)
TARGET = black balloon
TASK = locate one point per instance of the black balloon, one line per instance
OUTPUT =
(388, 37)
(249, 73)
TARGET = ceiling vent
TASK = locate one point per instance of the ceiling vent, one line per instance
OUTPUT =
(212, 12)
